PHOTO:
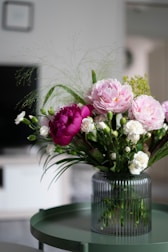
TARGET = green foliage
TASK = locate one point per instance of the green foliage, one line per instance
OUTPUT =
(139, 84)
(23, 76)
(77, 98)
(132, 209)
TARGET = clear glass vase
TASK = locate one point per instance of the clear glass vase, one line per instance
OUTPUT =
(121, 204)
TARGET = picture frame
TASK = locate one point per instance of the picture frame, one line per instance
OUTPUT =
(17, 16)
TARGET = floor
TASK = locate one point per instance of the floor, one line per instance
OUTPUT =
(18, 231)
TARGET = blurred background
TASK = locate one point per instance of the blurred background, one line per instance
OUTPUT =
(56, 38)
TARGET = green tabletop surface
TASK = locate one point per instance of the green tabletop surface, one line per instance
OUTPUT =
(68, 227)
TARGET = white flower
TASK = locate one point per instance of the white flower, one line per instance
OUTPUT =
(139, 163)
(50, 149)
(134, 127)
(127, 149)
(20, 117)
(148, 134)
(118, 120)
(165, 126)
(113, 156)
(44, 130)
(133, 138)
(101, 125)
(87, 125)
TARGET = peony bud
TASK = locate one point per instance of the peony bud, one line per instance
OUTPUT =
(110, 115)
(94, 80)
(51, 111)
(43, 111)
(123, 120)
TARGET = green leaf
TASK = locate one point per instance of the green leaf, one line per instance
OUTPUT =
(102, 168)
(47, 96)
(159, 154)
(68, 89)
(62, 165)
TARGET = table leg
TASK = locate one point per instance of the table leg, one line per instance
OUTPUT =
(41, 246)
(85, 247)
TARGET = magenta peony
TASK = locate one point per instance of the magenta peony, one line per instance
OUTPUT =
(111, 95)
(165, 108)
(148, 111)
(67, 123)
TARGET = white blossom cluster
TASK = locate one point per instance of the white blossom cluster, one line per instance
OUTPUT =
(139, 163)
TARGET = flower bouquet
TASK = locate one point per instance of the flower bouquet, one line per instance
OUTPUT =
(118, 128)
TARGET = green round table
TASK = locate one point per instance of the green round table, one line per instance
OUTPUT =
(68, 227)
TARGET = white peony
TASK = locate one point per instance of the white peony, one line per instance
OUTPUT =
(139, 163)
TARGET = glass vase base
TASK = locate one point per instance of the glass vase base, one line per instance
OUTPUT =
(121, 231)
(121, 205)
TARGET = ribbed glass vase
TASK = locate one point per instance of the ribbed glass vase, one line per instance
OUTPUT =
(121, 204)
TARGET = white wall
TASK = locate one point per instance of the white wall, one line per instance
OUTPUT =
(63, 31)
(147, 18)
(140, 47)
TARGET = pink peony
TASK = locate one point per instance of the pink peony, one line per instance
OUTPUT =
(111, 95)
(165, 109)
(148, 111)
(67, 123)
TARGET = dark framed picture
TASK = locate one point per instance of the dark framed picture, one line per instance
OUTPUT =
(17, 16)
